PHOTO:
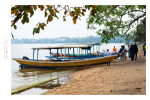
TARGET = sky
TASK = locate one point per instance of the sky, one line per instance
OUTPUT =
(56, 28)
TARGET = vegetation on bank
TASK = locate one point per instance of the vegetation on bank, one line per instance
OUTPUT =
(87, 39)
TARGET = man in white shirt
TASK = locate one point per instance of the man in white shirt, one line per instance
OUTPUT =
(107, 53)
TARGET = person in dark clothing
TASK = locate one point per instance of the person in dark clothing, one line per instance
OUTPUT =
(132, 52)
(135, 51)
(144, 48)
(121, 53)
(124, 53)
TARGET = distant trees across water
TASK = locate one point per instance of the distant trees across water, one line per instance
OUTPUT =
(87, 39)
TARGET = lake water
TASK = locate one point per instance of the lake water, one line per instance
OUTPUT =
(21, 76)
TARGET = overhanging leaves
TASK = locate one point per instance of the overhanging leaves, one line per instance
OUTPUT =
(51, 11)
(15, 27)
(111, 18)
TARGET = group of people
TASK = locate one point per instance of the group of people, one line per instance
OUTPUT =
(122, 53)
(132, 50)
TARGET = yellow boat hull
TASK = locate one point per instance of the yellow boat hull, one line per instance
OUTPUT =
(71, 63)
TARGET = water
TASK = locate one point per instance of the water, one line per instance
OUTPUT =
(20, 76)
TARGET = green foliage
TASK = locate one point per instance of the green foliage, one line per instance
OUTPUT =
(51, 11)
(15, 27)
(140, 34)
(129, 37)
(34, 8)
(111, 17)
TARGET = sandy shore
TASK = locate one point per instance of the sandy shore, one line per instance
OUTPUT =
(120, 78)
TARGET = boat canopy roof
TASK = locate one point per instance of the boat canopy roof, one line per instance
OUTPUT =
(64, 46)
(77, 45)
(93, 43)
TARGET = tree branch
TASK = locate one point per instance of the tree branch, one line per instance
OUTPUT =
(16, 19)
(131, 22)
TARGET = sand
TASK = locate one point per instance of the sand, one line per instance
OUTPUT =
(119, 78)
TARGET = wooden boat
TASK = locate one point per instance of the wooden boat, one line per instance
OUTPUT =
(69, 62)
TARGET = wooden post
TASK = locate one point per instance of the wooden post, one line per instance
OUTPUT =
(68, 54)
(99, 47)
(87, 53)
(82, 51)
(96, 48)
(61, 52)
(57, 54)
(50, 53)
(79, 51)
(93, 48)
(73, 54)
(37, 54)
(33, 54)
(65, 52)
(90, 52)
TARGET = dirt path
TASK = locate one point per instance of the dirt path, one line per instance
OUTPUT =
(120, 78)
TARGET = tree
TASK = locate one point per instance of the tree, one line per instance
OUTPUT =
(109, 16)
(112, 19)
(141, 31)
(129, 37)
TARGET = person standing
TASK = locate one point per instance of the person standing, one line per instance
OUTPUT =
(114, 50)
(135, 51)
(124, 53)
(144, 48)
(132, 52)
(121, 53)
(128, 50)
(107, 53)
